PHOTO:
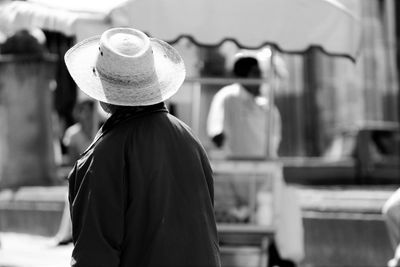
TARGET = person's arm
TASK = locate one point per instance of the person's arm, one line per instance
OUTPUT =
(276, 132)
(215, 120)
(97, 199)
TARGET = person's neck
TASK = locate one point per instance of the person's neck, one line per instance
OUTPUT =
(253, 92)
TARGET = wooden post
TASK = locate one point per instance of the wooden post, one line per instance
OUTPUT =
(26, 135)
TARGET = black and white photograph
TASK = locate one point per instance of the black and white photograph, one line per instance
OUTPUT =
(200, 133)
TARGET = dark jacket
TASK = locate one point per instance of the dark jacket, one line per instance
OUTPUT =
(142, 195)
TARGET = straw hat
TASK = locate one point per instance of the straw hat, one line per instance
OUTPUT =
(125, 67)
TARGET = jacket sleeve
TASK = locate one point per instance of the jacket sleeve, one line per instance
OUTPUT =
(97, 211)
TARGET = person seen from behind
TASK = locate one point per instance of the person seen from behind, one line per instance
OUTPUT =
(142, 193)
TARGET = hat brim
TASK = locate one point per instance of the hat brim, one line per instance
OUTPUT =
(169, 67)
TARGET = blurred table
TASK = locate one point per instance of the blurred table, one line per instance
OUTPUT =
(238, 186)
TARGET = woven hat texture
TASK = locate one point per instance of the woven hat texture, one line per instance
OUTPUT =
(125, 67)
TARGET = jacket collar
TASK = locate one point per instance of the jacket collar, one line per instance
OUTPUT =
(123, 115)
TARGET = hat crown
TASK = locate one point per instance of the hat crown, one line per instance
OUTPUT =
(125, 56)
(127, 44)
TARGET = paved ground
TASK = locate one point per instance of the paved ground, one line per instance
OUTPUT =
(21, 250)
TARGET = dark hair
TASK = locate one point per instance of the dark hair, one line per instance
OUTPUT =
(243, 65)
(22, 43)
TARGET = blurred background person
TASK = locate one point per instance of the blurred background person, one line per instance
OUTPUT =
(240, 115)
(387, 150)
(78, 136)
(391, 215)
(245, 124)
(76, 139)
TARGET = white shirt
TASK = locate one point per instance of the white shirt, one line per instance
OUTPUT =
(76, 140)
(246, 122)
